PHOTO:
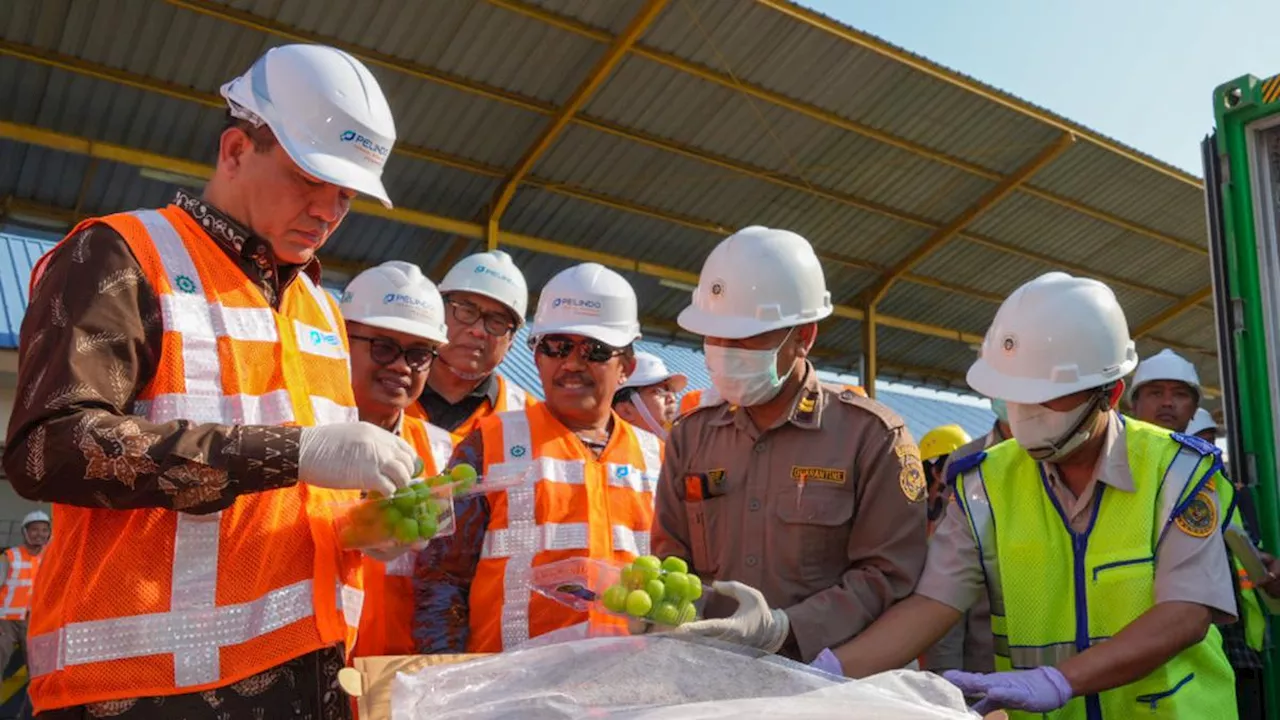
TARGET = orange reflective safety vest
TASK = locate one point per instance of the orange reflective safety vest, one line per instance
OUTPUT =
(510, 397)
(137, 603)
(15, 593)
(385, 624)
(580, 506)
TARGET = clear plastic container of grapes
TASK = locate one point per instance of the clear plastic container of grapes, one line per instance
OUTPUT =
(411, 518)
(651, 594)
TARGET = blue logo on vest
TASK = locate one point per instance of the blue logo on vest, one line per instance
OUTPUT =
(623, 472)
(185, 284)
(517, 451)
(320, 339)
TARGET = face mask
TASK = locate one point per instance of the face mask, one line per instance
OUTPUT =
(653, 425)
(1048, 435)
(1001, 409)
(745, 377)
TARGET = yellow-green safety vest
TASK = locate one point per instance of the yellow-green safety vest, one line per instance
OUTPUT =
(1055, 593)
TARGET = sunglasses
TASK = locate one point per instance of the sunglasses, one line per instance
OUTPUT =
(559, 346)
(385, 352)
(495, 323)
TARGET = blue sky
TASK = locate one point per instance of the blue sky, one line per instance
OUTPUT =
(1140, 71)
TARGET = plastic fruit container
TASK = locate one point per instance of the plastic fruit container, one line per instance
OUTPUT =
(650, 593)
(413, 516)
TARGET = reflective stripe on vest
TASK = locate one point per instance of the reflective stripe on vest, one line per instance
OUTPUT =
(17, 585)
(1060, 592)
(524, 537)
(977, 507)
(218, 376)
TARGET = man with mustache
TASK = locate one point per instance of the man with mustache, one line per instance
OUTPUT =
(1166, 392)
(485, 299)
(186, 405)
(395, 320)
(585, 485)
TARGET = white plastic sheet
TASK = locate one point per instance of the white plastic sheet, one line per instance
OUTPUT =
(659, 676)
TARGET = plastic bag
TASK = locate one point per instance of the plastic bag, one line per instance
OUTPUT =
(661, 676)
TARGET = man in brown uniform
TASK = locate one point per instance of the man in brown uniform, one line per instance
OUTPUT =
(811, 493)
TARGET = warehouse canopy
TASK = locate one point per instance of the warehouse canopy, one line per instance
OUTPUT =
(636, 133)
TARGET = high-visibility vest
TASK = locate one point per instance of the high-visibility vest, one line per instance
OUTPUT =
(580, 506)
(1055, 593)
(386, 623)
(137, 603)
(15, 593)
(510, 397)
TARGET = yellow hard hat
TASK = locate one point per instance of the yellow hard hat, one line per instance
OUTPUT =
(942, 440)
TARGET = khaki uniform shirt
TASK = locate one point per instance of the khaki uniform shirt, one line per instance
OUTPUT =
(835, 549)
(1188, 569)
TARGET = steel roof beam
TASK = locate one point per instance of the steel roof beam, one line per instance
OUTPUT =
(989, 199)
(266, 25)
(141, 158)
(828, 117)
(595, 78)
(951, 77)
(1174, 311)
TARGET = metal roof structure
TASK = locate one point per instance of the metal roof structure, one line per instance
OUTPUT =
(636, 133)
(18, 255)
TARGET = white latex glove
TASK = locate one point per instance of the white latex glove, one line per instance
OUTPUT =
(753, 624)
(354, 456)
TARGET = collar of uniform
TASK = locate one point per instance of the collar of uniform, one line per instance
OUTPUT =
(1113, 462)
(240, 242)
(487, 389)
(806, 408)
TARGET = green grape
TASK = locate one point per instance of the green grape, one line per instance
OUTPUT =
(656, 589)
(405, 499)
(406, 531)
(639, 603)
(666, 614)
(695, 588)
(615, 599)
(675, 565)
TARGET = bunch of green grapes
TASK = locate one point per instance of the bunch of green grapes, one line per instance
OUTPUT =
(661, 591)
(411, 514)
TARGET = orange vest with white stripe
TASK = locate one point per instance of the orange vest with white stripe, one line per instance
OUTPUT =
(136, 603)
(510, 397)
(15, 593)
(580, 506)
(386, 623)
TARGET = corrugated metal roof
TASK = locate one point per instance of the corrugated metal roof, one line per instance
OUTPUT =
(922, 410)
(723, 115)
(19, 256)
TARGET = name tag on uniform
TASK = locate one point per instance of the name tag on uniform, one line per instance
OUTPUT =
(701, 486)
(835, 476)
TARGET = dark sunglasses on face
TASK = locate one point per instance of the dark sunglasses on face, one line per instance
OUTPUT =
(495, 323)
(385, 352)
(559, 346)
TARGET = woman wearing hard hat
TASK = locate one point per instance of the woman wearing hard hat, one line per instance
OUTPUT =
(588, 479)
(1097, 538)
(395, 320)
(648, 398)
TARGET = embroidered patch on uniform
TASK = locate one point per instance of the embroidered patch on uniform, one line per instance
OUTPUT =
(911, 479)
(819, 474)
(185, 284)
(517, 451)
(1201, 516)
(715, 482)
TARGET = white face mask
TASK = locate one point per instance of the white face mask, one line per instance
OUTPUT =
(651, 423)
(1048, 435)
(745, 377)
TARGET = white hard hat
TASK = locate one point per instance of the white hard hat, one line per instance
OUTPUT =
(1054, 336)
(1200, 422)
(325, 108)
(396, 296)
(36, 516)
(494, 275)
(590, 300)
(754, 281)
(1165, 365)
(650, 370)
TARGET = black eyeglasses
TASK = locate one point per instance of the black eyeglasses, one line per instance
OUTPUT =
(559, 346)
(495, 323)
(385, 352)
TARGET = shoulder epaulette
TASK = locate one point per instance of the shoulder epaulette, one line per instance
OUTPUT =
(1198, 444)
